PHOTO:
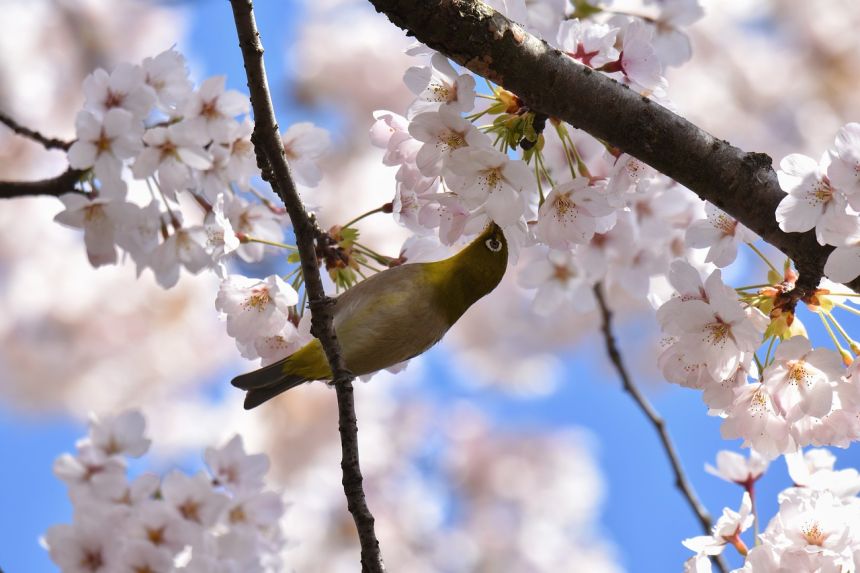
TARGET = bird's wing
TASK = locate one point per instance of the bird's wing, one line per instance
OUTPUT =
(389, 318)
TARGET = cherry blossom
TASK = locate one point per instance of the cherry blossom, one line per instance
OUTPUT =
(446, 212)
(734, 467)
(304, 145)
(591, 43)
(255, 308)
(720, 234)
(155, 524)
(670, 41)
(124, 89)
(638, 62)
(120, 434)
(811, 201)
(843, 264)
(754, 418)
(172, 152)
(240, 164)
(390, 131)
(254, 220)
(727, 529)
(213, 109)
(814, 469)
(96, 218)
(167, 75)
(844, 168)
(559, 280)
(103, 144)
(185, 247)
(438, 84)
(234, 469)
(802, 380)
(719, 331)
(83, 547)
(441, 132)
(485, 176)
(569, 214)
(813, 532)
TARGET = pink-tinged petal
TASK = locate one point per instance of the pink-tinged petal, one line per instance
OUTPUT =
(517, 174)
(504, 206)
(793, 348)
(233, 103)
(146, 163)
(429, 160)
(443, 66)
(844, 176)
(817, 398)
(702, 234)
(797, 215)
(848, 142)
(87, 126)
(212, 87)
(693, 315)
(685, 279)
(843, 264)
(82, 154)
(195, 158)
(723, 253)
(417, 79)
(592, 203)
(117, 122)
(465, 86)
(798, 165)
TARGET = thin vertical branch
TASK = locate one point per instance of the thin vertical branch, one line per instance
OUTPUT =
(681, 481)
(273, 164)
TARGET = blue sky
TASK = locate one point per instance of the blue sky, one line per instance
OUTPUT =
(644, 515)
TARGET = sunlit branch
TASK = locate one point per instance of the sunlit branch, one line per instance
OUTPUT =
(273, 163)
(741, 183)
(681, 481)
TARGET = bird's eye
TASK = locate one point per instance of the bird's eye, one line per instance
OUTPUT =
(494, 245)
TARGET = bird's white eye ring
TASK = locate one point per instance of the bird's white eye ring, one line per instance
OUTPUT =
(494, 244)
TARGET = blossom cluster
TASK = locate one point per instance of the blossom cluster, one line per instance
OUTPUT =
(797, 396)
(574, 205)
(815, 528)
(825, 195)
(222, 520)
(191, 146)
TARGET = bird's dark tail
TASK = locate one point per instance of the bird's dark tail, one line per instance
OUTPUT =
(266, 383)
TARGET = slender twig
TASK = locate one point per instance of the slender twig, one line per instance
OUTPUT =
(681, 481)
(55, 186)
(47, 142)
(273, 165)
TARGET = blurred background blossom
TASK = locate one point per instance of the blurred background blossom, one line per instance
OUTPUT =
(508, 448)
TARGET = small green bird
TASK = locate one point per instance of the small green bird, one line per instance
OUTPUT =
(391, 317)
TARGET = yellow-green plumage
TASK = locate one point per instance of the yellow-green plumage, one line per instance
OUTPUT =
(391, 317)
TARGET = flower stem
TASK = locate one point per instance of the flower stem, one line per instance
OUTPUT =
(835, 340)
(250, 239)
(750, 287)
(769, 348)
(764, 258)
(848, 340)
(380, 209)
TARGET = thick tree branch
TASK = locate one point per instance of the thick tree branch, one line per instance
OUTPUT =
(273, 163)
(55, 186)
(742, 184)
(681, 481)
(47, 142)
